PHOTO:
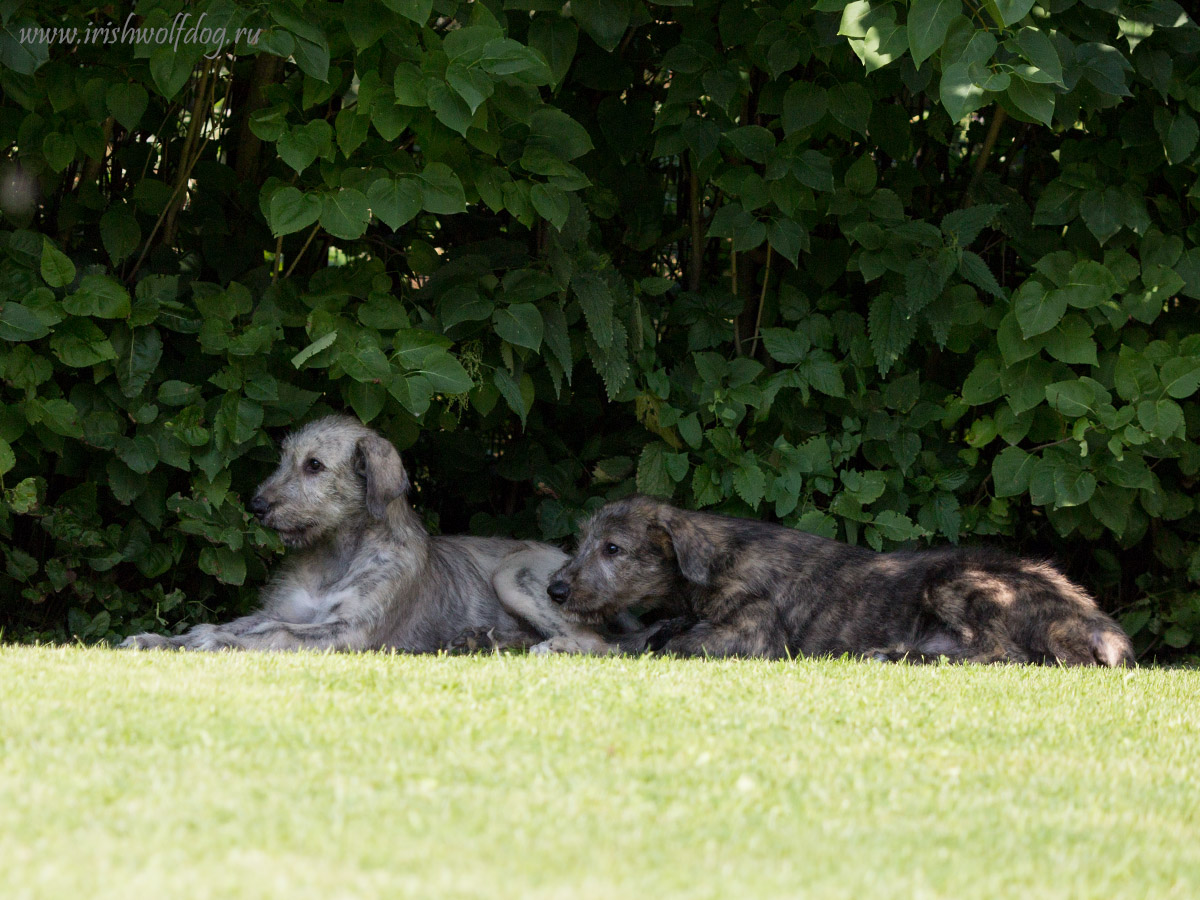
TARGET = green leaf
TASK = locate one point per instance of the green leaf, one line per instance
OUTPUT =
(1180, 140)
(605, 21)
(19, 323)
(1089, 284)
(464, 304)
(556, 38)
(1011, 471)
(518, 395)
(99, 296)
(891, 330)
(1037, 310)
(959, 93)
(1071, 341)
(1102, 212)
(1010, 11)
(553, 130)
(22, 56)
(395, 201)
(785, 345)
(983, 384)
(1181, 376)
(224, 564)
(7, 458)
(1032, 98)
(596, 300)
(804, 105)
(750, 482)
(345, 214)
(298, 148)
(788, 238)
(57, 269)
(1071, 398)
(450, 109)
(850, 104)
(139, 351)
(292, 210)
(925, 277)
(322, 343)
(733, 221)
(441, 190)
(127, 103)
(238, 419)
(59, 150)
(416, 10)
(1104, 67)
(652, 477)
(975, 270)
(61, 417)
(120, 233)
(1161, 418)
(551, 203)
(1073, 487)
(1038, 49)
(138, 452)
(962, 226)
(862, 176)
(520, 324)
(928, 21)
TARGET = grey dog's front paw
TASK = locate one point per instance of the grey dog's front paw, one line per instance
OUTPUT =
(574, 643)
(209, 638)
(146, 641)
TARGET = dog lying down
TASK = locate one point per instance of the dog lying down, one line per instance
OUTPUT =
(364, 574)
(739, 587)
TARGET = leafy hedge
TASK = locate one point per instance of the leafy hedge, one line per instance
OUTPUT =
(883, 271)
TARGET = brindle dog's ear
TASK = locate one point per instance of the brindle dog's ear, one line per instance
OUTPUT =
(377, 461)
(694, 550)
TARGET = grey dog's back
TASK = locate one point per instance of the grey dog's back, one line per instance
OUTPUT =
(453, 592)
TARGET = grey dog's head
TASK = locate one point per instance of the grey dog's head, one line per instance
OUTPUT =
(633, 552)
(331, 471)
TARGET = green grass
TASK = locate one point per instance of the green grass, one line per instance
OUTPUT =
(181, 775)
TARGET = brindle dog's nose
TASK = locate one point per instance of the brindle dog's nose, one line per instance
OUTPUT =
(259, 506)
(559, 591)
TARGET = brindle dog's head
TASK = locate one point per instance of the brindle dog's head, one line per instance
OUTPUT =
(633, 552)
(332, 471)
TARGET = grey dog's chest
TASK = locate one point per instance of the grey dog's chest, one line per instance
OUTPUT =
(308, 592)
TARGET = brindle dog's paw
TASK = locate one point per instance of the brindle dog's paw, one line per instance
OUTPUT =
(146, 641)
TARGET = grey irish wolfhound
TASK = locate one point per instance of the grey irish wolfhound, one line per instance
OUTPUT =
(365, 574)
(745, 588)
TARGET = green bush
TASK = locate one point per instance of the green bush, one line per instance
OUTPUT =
(883, 271)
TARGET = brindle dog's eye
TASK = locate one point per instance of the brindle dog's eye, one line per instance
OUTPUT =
(612, 549)
(314, 465)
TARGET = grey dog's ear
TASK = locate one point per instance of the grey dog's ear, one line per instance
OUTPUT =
(377, 461)
(694, 551)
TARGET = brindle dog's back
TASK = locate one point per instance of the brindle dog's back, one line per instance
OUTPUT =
(751, 588)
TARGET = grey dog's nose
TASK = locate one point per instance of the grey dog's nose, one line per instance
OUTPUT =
(259, 505)
(559, 591)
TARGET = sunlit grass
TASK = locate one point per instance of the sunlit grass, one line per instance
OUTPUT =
(192, 775)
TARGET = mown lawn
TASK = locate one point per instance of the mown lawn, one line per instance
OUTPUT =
(177, 775)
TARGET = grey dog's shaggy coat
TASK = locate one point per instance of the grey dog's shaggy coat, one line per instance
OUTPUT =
(364, 573)
(746, 588)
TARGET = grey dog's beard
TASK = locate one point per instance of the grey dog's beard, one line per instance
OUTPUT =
(301, 536)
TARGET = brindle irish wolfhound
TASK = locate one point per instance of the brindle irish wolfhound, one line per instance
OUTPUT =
(366, 574)
(747, 588)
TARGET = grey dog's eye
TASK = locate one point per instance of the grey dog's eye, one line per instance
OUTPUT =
(612, 549)
(314, 465)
